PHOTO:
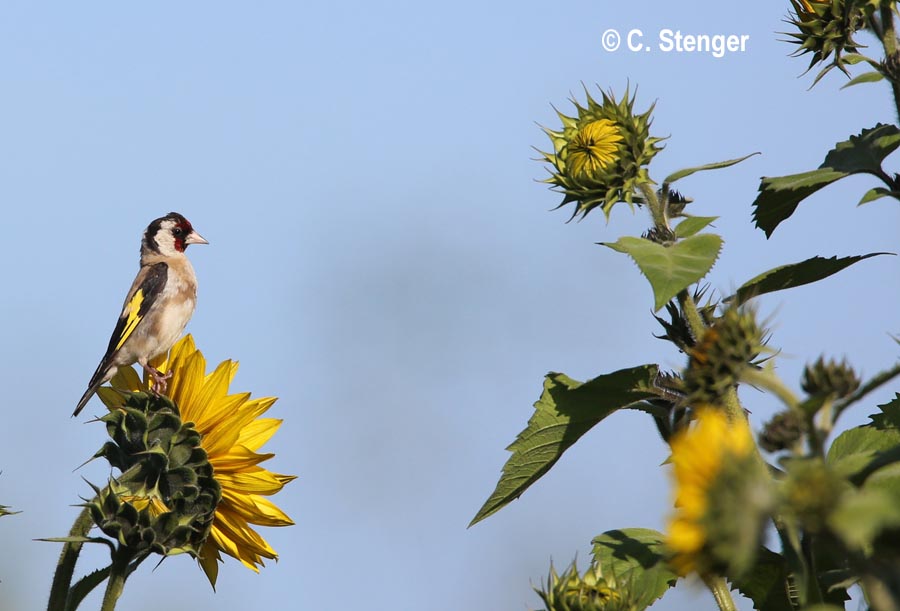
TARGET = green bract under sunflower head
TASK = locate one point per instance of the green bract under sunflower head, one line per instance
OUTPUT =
(826, 27)
(600, 155)
(165, 499)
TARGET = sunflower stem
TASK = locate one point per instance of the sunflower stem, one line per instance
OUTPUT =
(888, 36)
(118, 573)
(691, 314)
(657, 212)
(65, 567)
(766, 379)
(720, 591)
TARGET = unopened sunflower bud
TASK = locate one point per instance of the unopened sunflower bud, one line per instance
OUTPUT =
(723, 352)
(781, 432)
(165, 499)
(589, 592)
(829, 378)
(600, 155)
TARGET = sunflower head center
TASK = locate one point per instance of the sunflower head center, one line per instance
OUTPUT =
(594, 147)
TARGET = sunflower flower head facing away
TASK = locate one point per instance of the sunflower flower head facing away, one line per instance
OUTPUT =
(825, 28)
(229, 433)
(600, 155)
(722, 496)
(165, 498)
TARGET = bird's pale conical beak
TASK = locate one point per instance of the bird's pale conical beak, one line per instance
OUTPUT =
(195, 238)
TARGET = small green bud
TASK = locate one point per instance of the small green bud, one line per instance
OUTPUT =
(829, 378)
(781, 432)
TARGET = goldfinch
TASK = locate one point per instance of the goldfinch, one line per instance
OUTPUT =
(158, 306)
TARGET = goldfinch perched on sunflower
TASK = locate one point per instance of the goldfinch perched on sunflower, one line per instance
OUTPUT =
(158, 306)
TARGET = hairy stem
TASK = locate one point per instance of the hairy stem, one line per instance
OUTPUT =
(691, 314)
(888, 36)
(656, 206)
(118, 572)
(65, 567)
(767, 380)
(720, 592)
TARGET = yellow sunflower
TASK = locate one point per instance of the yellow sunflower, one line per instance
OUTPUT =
(700, 455)
(594, 147)
(232, 433)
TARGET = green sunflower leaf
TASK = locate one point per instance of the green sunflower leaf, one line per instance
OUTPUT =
(795, 274)
(854, 450)
(863, 450)
(778, 197)
(877, 193)
(863, 514)
(693, 224)
(764, 583)
(637, 557)
(566, 410)
(866, 77)
(671, 269)
(709, 166)
(855, 58)
(865, 152)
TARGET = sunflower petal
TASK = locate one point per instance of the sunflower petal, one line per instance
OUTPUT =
(258, 432)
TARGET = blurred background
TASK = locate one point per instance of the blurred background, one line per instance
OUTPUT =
(384, 260)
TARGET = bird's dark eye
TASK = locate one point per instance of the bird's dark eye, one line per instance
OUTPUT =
(177, 231)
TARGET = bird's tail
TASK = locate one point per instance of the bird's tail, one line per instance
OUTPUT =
(100, 376)
(85, 398)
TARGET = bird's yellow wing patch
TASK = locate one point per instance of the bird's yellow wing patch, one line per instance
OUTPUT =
(134, 317)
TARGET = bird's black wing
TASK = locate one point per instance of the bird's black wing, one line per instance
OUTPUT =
(147, 287)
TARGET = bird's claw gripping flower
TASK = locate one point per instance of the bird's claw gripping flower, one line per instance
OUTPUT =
(600, 155)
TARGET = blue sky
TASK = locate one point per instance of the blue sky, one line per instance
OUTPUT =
(383, 259)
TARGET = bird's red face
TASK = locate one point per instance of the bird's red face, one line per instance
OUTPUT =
(170, 235)
(181, 232)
